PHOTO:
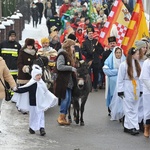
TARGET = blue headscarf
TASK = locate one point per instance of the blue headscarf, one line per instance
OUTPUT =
(111, 60)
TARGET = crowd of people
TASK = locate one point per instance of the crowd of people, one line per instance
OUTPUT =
(72, 37)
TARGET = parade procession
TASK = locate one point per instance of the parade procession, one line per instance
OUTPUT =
(74, 74)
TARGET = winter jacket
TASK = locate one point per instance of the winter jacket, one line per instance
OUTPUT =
(40, 7)
(25, 60)
(53, 21)
(63, 9)
(5, 76)
(35, 13)
(64, 78)
(48, 13)
(9, 50)
(92, 50)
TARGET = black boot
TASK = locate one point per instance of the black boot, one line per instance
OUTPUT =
(31, 131)
(131, 131)
(141, 126)
(42, 131)
(109, 112)
(122, 120)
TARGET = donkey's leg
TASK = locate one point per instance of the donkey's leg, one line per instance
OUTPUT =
(83, 101)
(76, 111)
(69, 114)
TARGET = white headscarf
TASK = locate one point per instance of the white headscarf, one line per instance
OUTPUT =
(35, 71)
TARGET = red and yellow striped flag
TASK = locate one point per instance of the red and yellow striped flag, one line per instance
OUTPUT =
(116, 24)
(137, 27)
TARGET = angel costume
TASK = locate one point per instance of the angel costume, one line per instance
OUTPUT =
(145, 78)
(36, 100)
(131, 89)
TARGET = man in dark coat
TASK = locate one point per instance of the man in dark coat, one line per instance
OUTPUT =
(40, 7)
(92, 50)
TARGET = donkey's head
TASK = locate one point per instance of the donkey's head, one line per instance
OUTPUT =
(82, 72)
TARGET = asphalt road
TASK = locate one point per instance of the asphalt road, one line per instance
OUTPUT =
(99, 133)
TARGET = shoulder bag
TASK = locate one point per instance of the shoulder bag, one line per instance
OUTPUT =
(7, 92)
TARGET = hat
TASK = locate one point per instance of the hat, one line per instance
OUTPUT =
(105, 5)
(36, 69)
(68, 43)
(76, 14)
(90, 29)
(38, 44)
(72, 37)
(79, 28)
(112, 39)
(53, 34)
(44, 40)
(66, 1)
(53, 28)
(83, 5)
(77, 20)
(11, 32)
(145, 39)
(87, 18)
(98, 6)
(139, 44)
(30, 42)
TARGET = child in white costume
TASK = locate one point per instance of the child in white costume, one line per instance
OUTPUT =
(38, 99)
(128, 88)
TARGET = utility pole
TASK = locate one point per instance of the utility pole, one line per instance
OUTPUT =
(0, 9)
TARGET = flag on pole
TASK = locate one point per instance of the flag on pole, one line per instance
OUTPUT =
(116, 24)
(92, 13)
(137, 27)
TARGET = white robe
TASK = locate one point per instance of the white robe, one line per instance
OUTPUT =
(140, 108)
(145, 78)
(130, 105)
(116, 107)
(44, 98)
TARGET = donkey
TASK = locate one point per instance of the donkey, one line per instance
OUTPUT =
(81, 90)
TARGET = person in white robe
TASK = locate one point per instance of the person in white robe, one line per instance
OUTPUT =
(128, 88)
(142, 46)
(145, 78)
(37, 100)
(110, 68)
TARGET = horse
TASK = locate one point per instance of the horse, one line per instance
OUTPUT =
(82, 88)
(42, 61)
